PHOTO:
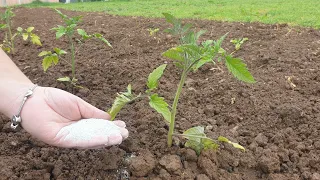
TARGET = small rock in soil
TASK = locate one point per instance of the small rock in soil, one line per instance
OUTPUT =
(189, 155)
(269, 163)
(83, 92)
(202, 177)
(164, 174)
(317, 144)
(208, 162)
(172, 163)
(315, 176)
(261, 139)
(143, 164)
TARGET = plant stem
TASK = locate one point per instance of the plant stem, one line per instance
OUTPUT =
(73, 63)
(174, 107)
(8, 18)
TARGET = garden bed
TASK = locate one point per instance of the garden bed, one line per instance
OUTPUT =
(276, 119)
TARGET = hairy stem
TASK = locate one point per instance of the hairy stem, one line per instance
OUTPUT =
(8, 19)
(174, 107)
(73, 63)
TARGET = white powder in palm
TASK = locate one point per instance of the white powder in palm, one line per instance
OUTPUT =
(86, 129)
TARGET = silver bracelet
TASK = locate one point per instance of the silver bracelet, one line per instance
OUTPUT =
(16, 119)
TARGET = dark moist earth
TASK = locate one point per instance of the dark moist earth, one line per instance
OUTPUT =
(276, 119)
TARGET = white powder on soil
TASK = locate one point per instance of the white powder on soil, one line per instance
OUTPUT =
(86, 129)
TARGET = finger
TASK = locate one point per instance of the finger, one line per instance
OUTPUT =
(89, 111)
(120, 123)
(124, 133)
(114, 140)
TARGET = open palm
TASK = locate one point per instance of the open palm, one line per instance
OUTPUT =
(59, 118)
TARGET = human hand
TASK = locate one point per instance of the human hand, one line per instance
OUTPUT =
(59, 118)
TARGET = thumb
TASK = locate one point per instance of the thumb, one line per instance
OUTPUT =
(89, 111)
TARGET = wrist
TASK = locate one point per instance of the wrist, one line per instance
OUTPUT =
(11, 95)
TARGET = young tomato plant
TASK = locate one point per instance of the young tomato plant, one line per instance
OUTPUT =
(189, 56)
(53, 57)
(238, 42)
(26, 34)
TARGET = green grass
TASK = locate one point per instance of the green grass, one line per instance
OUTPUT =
(294, 12)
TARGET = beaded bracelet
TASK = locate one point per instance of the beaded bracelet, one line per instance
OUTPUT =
(16, 119)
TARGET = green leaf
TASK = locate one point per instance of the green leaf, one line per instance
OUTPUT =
(83, 34)
(154, 77)
(25, 36)
(64, 79)
(55, 59)
(239, 69)
(175, 53)
(35, 39)
(2, 26)
(218, 43)
(235, 145)
(209, 144)
(19, 29)
(195, 145)
(121, 100)
(101, 38)
(195, 131)
(47, 62)
(197, 139)
(160, 106)
(30, 29)
(60, 31)
(43, 53)
(59, 51)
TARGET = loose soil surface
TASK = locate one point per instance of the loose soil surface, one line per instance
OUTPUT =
(277, 119)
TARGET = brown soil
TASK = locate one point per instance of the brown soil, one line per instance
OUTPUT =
(277, 123)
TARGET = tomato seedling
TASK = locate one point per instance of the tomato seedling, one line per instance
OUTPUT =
(53, 57)
(8, 44)
(189, 56)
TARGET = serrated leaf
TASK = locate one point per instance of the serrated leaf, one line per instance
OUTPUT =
(30, 29)
(55, 59)
(19, 29)
(235, 145)
(59, 51)
(25, 36)
(60, 31)
(64, 79)
(195, 145)
(175, 53)
(121, 100)
(2, 26)
(46, 62)
(202, 62)
(160, 106)
(35, 39)
(105, 41)
(194, 131)
(239, 69)
(209, 144)
(83, 34)
(43, 53)
(197, 139)
(154, 77)
(218, 43)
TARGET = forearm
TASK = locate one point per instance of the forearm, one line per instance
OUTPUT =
(13, 85)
